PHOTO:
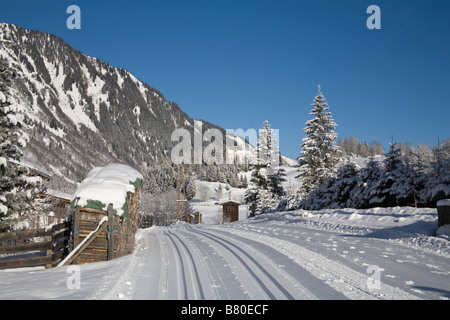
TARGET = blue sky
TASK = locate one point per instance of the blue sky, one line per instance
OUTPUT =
(237, 63)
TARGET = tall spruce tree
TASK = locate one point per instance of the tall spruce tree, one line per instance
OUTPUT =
(11, 201)
(319, 150)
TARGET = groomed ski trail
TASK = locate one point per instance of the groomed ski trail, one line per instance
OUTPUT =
(245, 261)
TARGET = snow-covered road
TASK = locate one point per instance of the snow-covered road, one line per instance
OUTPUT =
(271, 260)
(207, 263)
(274, 257)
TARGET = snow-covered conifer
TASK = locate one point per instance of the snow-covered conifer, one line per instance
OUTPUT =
(266, 188)
(364, 192)
(11, 199)
(438, 184)
(318, 148)
(388, 187)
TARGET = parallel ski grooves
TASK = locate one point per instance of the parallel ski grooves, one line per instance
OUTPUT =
(185, 290)
(197, 277)
(221, 241)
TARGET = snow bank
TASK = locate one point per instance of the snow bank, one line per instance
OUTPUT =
(389, 220)
(105, 185)
(411, 226)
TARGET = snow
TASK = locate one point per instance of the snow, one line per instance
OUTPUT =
(444, 202)
(77, 115)
(3, 209)
(444, 231)
(137, 112)
(3, 162)
(109, 184)
(58, 194)
(13, 119)
(327, 254)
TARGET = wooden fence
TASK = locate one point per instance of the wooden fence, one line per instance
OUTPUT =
(40, 247)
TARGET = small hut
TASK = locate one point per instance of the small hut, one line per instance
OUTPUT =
(114, 192)
(230, 211)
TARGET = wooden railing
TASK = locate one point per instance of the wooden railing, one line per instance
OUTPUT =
(40, 247)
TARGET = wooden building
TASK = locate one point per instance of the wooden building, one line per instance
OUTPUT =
(230, 211)
(60, 199)
(113, 192)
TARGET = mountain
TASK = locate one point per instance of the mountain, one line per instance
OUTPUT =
(79, 112)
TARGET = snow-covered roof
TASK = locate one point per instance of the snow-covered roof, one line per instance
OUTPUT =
(105, 185)
(444, 202)
(230, 201)
(58, 194)
(40, 170)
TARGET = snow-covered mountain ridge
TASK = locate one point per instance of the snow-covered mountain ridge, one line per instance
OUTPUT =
(79, 112)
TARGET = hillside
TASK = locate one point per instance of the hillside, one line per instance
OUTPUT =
(78, 111)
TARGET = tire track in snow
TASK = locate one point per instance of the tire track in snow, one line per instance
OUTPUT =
(240, 254)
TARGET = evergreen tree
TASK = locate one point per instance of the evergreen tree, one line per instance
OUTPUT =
(258, 182)
(12, 199)
(388, 188)
(318, 148)
(438, 182)
(336, 191)
(190, 187)
(347, 178)
(266, 146)
(364, 192)
(266, 187)
(275, 183)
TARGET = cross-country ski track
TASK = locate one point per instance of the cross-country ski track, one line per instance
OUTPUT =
(269, 261)
(272, 257)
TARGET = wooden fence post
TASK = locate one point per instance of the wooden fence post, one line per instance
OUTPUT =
(110, 232)
(49, 252)
(76, 230)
